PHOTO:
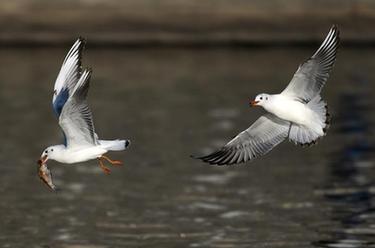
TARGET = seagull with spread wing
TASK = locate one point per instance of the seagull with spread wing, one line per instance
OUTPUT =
(297, 113)
(69, 102)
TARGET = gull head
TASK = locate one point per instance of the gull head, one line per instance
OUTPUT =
(260, 100)
(50, 153)
(44, 173)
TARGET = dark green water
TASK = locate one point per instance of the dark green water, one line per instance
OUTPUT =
(173, 103)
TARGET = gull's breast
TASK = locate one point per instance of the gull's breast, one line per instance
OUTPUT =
(291, 110)
(71, 156)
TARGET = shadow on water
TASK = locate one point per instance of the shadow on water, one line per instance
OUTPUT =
(350, 189)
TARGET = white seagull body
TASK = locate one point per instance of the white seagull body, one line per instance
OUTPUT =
(69, 102)
(297, 113)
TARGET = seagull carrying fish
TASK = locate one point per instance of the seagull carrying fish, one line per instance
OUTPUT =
(69, 102)
(297, 113)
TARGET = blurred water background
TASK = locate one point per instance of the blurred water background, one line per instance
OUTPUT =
(175, 77)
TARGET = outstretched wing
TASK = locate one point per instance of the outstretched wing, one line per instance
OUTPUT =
(68, 76)
(265, 133)
(76, 118)
(311, 76)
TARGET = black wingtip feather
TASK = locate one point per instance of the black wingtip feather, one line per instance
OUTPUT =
(211, 158)
(220, 158)
(82, 41)
(81, 38)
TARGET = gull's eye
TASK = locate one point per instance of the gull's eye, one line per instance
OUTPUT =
(51, 150)
(261, 98)
(45, 151)
(266, 98)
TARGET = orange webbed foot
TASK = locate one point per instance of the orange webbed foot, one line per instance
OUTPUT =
(113, 162)
(105, 169)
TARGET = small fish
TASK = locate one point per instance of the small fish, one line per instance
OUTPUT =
(45, 175)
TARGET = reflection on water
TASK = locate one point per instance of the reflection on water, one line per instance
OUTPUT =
(351, 186)
(173, 103)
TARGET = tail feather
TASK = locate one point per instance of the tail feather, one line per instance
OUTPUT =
(327, 120)
(114, 145)
(305, 136)
(321, 109)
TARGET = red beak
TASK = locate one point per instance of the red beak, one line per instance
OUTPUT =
(254, 103)
(42, 160)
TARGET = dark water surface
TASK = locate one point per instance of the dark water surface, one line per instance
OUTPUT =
(173, 103)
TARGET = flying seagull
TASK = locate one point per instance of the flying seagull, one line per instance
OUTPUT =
(297, 113)
(69, 102)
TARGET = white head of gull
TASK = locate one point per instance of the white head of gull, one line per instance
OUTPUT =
(69, 102)
(297, 113)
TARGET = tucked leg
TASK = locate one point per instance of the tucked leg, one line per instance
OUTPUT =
(105, 169)
(113, 162)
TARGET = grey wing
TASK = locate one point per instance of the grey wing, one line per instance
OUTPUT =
(312, 75)
(76, 118)
(265, 133)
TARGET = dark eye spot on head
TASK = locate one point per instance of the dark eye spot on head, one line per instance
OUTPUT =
(261, 98)
(46, 151)
(51, 150)
(266, 98)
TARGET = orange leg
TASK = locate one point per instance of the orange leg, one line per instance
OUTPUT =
(105, 169)
(113, 162)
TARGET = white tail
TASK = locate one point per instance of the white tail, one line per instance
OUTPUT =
(302, 135)
(320, 108)
(114, 145)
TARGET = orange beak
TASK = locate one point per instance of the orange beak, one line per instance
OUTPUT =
(254, 103)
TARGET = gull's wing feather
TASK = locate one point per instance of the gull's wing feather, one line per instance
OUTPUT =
(265, 133)
(68, 76)
(76, 118)
(311, 76)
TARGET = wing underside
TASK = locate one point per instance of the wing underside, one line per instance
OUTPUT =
(312, 75)
(76, 117)
(267, 132)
